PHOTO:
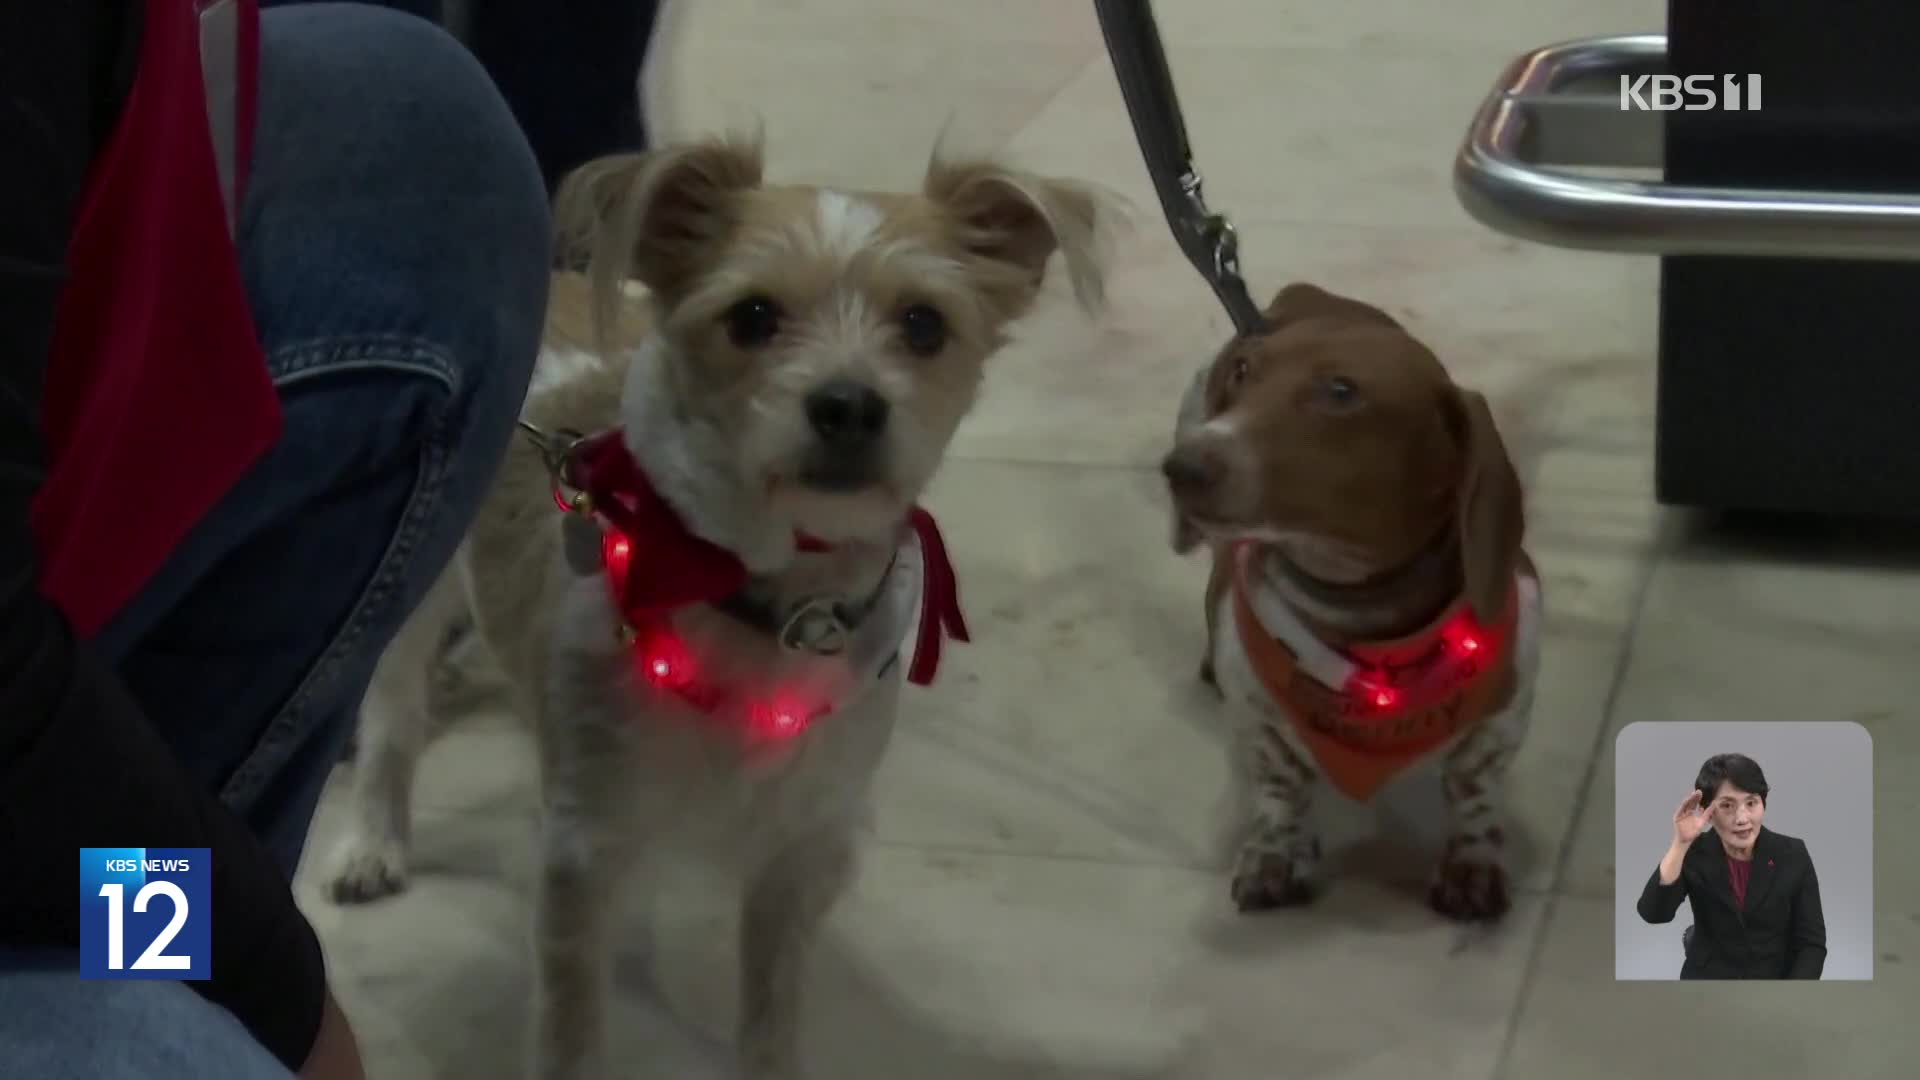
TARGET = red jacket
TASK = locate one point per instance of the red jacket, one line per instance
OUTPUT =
(157, 396)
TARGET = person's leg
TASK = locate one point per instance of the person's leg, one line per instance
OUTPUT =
(570, 71)
(395, 243)
(426, 9)
(60, 1028)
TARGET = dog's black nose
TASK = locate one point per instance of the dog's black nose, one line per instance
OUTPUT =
(846, 414)
(1190, 470)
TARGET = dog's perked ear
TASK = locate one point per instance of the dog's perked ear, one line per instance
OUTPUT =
(656, 217)
(1492, 517)
(1011, 223)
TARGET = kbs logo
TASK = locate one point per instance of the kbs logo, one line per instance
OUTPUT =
(1695, 93)
(146, 913)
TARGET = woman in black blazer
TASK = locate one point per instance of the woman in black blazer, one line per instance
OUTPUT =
(1756, 900)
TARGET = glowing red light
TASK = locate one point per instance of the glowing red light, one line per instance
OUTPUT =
(1376, 692)
(779, 720)
(664, 661)
(1463, 636)
(616, 552)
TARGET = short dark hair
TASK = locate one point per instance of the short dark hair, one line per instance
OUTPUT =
(1738, 769)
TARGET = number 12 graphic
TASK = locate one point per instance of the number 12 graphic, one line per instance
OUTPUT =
(155, 957)
(146, 913)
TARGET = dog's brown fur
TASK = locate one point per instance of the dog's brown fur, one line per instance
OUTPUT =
(1381, 493)
(1377, 480)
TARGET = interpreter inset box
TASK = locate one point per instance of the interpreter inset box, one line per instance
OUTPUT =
(1743, 851)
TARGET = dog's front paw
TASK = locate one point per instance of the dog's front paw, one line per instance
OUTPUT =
(1470, 891)
(1265, 880)
(364, 871)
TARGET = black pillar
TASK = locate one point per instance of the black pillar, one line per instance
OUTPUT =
(1794, 384)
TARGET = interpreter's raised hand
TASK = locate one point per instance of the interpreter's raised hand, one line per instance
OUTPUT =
(1690, 820)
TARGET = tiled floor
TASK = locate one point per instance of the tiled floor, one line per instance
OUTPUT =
(1041, 899)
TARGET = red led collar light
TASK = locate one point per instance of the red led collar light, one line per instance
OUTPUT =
(1456, 659)
(683, 570)
(665, 662)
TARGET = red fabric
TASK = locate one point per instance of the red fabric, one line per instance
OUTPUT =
(940, 616)
(157, 396)
(683, 569)
(1432, 693)
(1739, 872)
(680, 569)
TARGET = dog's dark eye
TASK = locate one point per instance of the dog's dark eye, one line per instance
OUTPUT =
(1339, 391)
(753, 322)
(924, 328)
(1239, 373)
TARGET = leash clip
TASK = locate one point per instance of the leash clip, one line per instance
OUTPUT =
(1215, 244)
(1212, 245)
(1146, 84)
(556, 449)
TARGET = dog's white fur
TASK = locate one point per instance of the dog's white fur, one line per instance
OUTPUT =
(626, 773)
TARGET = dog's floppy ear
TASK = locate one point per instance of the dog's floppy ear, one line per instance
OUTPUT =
(1012, 223)
(1300, 301)
(1492, 517)
(657, 217)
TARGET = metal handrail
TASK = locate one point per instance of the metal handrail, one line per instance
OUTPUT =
(1560, 105)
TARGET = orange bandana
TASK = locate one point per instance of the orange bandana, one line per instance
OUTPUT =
(1413, 694)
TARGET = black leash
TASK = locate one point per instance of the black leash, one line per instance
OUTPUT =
(1133, 43)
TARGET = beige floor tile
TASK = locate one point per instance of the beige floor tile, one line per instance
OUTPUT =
(1375, 26)
(1313, 135)
(957, 966)
(1560, 342)
(856, 92)
(1807, 625)
(1576, 1023)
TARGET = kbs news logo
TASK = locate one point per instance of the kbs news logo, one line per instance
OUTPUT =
(146, 913)
(1672, 93)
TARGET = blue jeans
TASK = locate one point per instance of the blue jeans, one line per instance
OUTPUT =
(395, 244)
(570, 69)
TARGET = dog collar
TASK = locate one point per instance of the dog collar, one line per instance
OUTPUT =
(655, 566)
(682, 569)
(1436, 560)
(1370, 709)
(826, 677)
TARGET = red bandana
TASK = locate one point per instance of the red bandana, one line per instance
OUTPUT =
(684, 569)
(1412, 695)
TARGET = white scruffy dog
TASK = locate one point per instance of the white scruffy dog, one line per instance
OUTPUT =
(806, 358)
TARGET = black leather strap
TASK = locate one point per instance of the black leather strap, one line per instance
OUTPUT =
(1133, 43)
